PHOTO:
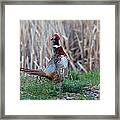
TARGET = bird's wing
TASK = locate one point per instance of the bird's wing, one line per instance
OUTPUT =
(51, 66)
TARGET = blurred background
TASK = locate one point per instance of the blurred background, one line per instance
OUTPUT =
(79, 38)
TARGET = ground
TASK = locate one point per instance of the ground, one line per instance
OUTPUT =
(76, 86)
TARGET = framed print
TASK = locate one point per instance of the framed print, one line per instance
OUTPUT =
(60, 59)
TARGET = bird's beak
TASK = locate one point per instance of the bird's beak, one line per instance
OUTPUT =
(51, 39)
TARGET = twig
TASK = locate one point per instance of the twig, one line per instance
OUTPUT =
(81, 66)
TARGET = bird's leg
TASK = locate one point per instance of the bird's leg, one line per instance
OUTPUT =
(60, 90)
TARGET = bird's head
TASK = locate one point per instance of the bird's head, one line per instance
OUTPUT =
(56, 39)
(55, 42)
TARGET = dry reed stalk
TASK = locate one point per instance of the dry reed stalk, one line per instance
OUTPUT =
(80, 40)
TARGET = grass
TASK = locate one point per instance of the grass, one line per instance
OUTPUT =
(34, 88)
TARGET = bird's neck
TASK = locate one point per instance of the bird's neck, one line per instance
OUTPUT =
(56, 46)
(59, 50)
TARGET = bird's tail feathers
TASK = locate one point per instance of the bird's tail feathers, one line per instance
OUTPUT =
(34, 72)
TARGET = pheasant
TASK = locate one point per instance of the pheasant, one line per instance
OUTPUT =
(57, 66)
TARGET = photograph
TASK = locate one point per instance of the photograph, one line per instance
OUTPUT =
(59, 59)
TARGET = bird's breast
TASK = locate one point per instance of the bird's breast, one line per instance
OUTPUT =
(64, 61)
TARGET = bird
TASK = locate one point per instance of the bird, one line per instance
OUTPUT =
(57, 67)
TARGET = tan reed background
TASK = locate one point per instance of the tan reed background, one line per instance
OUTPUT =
(79, 38)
